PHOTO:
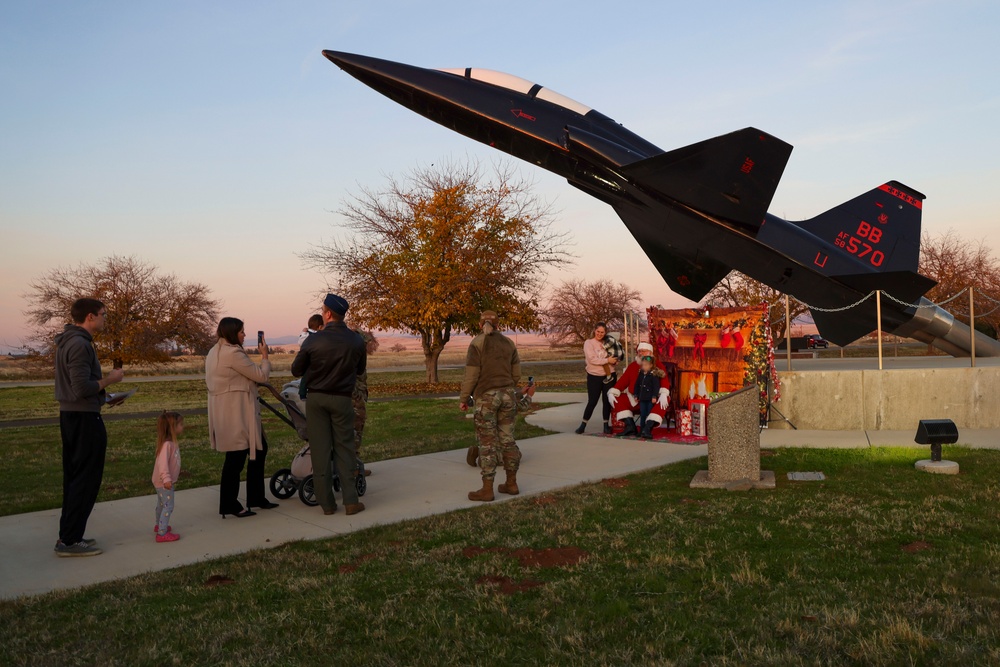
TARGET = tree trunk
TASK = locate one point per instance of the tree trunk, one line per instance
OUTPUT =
(431, 362)
(433, 342)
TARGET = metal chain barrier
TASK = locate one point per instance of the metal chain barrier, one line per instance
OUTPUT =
(838, 310)
(980, 295)
(989, 312)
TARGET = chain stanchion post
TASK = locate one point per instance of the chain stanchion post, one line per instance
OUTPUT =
(788, 333)
(972, 327)
(878, 317)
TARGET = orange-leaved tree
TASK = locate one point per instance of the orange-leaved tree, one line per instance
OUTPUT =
(149, 314)
(427, 254)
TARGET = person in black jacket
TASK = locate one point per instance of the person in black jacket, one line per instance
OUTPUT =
(646, 391)
(80, 392)
(334, 356)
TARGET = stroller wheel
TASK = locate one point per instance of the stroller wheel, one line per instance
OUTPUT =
(307, 493)
(282, 484)
(336, 483)
(360, 484)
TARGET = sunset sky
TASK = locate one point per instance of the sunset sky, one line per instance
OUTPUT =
(214, 140)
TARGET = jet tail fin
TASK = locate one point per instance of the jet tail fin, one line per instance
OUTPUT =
(732, 177)
(881, 227)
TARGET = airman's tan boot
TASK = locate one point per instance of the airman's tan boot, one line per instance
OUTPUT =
(510, 484)
(484, 494)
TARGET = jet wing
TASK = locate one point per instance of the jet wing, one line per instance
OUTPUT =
(732, 177)
(690, 276)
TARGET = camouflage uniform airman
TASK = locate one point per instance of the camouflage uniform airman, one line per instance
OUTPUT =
(492, 371)
(359, 399)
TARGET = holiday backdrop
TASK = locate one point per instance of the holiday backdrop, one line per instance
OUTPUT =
(716, 350)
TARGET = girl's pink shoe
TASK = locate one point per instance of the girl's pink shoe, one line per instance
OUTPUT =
(168, 537)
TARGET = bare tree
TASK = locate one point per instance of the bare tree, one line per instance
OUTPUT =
(577, 305)
(737, 290)
(149, 314)
(956, 264)
(428, 254)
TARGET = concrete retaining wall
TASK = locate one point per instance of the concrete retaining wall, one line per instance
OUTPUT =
(890, 400)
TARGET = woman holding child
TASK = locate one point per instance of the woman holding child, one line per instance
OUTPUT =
(600, 367)
(234, 417)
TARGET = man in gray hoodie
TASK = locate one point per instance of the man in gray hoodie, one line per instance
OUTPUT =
(80, 392)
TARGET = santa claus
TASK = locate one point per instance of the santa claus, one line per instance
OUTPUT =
(625, 404)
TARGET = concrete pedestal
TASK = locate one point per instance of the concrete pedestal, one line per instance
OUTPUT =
(734, 445)
(937, 467)
(764, 481)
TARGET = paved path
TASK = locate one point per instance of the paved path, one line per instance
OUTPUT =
(398, 489)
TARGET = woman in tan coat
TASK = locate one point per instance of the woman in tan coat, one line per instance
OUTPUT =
(234, 417)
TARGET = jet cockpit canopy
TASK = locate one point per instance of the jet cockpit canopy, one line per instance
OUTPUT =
(519, 85)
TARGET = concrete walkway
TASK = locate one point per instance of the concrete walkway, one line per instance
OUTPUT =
(398, 489)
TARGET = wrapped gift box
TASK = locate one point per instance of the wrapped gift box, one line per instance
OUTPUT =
(699, 417)
(684, 422)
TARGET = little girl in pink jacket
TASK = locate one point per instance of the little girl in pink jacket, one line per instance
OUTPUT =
(169, 425)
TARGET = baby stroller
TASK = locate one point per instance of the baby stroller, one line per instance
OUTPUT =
(285, 482)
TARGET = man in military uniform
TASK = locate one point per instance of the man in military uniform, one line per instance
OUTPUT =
(492, 370)
(331, 360)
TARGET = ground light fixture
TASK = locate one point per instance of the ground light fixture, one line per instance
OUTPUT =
(936, 432)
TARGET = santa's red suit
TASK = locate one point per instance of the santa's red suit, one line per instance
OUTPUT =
(625, 406)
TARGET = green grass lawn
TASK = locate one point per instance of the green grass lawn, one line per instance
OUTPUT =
(877, 565)
(39, 402)
(31, 463)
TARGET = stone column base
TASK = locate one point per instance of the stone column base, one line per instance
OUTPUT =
(701, 481)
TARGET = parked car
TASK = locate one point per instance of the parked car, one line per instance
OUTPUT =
(815, 340)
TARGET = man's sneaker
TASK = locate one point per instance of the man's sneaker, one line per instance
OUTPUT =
(167, 537)
(89, 540)
(79, 549)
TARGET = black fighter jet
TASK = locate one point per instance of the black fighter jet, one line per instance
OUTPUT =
(699, 211)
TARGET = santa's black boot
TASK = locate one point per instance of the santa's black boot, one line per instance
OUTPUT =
(629, 427)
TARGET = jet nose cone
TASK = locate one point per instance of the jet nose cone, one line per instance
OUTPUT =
(336, 57)
(382, 75)
(351, 62)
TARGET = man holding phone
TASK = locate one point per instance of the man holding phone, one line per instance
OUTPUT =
(80, 391)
